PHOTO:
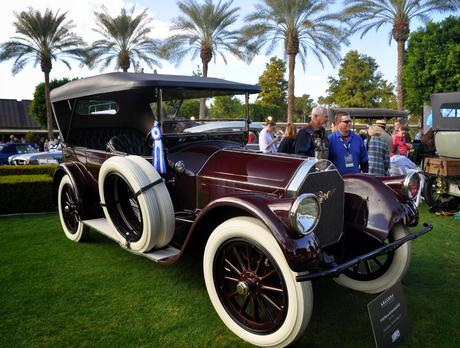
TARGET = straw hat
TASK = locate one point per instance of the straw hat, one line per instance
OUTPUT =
(381, 123)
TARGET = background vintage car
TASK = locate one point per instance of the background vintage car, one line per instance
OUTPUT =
(10, 149)
(442, 170)
(53, 156)
(268, 223)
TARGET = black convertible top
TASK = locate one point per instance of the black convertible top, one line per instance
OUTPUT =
(194, 86)
(369, 112)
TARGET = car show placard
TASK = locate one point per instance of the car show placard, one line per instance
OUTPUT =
(389, 317)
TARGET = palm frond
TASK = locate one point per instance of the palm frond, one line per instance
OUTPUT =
(124, 35)
(202, 26)
(42, 36)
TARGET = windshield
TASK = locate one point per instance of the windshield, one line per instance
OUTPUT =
(223, 114)
(26, 148)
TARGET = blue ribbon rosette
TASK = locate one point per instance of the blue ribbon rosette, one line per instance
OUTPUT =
(158, 157)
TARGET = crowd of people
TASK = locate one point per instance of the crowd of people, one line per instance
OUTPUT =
(44, 144)
(351, 153)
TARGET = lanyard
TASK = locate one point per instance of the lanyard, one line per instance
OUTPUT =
(346, 146)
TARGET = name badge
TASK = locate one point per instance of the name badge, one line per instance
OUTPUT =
(349, 161)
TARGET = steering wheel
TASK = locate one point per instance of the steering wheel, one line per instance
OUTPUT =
(148, 140)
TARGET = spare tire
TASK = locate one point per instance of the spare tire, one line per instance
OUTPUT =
(167, 217)
(132, 212)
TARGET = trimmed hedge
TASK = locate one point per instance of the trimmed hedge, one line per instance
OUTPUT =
(47, 169)
(26, 194)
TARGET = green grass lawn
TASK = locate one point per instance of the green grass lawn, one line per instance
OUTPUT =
(57, 293)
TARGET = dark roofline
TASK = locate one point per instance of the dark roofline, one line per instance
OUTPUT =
(123, 81)
(14, 114)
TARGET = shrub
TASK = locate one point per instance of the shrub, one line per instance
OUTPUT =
(47, 169)
(26, 193)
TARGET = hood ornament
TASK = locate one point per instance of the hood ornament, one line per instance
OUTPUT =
(324, 195)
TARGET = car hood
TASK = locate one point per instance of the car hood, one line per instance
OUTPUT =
(254, 170)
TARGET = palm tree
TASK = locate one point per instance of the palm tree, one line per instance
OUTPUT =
(42, 38)
(302, 26)
(126, 40)
(204, 29)
(368, 14)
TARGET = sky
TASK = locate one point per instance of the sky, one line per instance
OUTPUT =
(312, 80)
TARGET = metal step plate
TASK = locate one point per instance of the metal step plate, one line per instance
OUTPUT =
(103, 227)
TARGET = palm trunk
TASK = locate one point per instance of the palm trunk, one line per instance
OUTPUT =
(399, 77)
(49, 114)
(291, 79)
(203, 100)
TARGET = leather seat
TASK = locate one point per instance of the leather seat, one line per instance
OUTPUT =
(131, 144)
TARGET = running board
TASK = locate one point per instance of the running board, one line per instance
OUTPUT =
(103, 227)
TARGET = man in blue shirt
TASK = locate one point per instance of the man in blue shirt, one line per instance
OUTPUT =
(346, 148)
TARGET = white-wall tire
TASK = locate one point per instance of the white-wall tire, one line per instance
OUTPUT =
(118, 171)
(68, 211)
(395, 272)
(298, 296)
(165, 205)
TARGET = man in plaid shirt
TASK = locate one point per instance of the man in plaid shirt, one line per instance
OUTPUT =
(377, 151)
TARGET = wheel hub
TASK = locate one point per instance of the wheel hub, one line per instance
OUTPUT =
(242, 288)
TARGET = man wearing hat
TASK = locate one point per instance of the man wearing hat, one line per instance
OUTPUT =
(383, 124)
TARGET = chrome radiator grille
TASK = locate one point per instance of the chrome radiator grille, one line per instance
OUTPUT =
(329, 188)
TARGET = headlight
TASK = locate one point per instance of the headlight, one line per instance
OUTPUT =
(411, 186)
(305, 213)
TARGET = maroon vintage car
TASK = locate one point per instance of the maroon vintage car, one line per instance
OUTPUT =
(268, 223)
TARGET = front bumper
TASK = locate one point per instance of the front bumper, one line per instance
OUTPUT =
(335, 270)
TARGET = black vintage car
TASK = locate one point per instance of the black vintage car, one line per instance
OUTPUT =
(269, 223)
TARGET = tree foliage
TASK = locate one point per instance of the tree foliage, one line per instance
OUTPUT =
(432, 62)
(41, 39)
(359, 84)
(126, 40)
(259, 112)
(204, 29)
(226, 107)
(302, 108)
(37, 107)
(273, 83)
(189, 108)
(366, 15)
(301, 27)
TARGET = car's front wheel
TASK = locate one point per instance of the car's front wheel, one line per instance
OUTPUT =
(251, 286)
(69, 212)
(381, 272)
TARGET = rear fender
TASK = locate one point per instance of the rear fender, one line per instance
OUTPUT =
(378, 206)
(85, 186)
(299, 251)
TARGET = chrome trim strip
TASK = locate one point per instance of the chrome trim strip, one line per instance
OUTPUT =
(240, 182)
(299, 177)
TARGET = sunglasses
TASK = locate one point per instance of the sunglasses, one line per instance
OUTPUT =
(346, 121)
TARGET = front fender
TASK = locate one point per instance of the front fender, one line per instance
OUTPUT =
(300, 251)
(383, 206)
(85, 186)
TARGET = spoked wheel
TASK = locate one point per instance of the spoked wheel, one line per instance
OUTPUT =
(251, 285)
(430, 192)
(380, 273)
(69, 212)
(370, 269)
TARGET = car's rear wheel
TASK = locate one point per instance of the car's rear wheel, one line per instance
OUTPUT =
(251, 286)
(381, 272)
(69, 211)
